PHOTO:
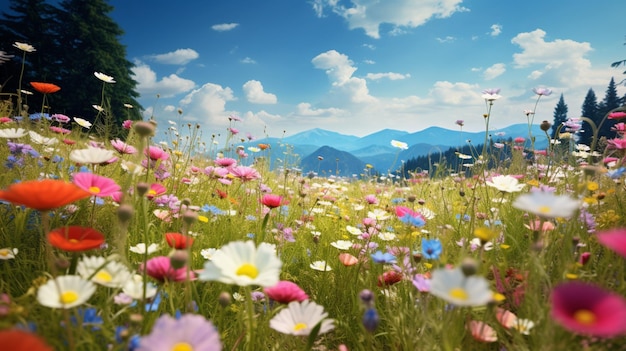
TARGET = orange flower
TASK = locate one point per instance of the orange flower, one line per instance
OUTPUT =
(348, 259)
(19, 340)
(178, 240)
(263, 146)
(43, 195)
(45, 88)
(75, 238)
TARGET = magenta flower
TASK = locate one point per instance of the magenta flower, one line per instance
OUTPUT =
(233, 131)
(156, 189)
(156, 153)
(587, 309)
(189, 332)
(245, 173)
(60, 118)
(460, 122)
(272, 200)
(617, 143)
(127, 124)
(122, 147)
(542, 91)
(614, 239)
(371, 199)
(160, 268)
(617, 115)
(286, 292)
(95, 184)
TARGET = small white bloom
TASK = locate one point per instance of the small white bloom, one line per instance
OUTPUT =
(320, 266)
(128, 106)
(299, 318)
(91, 155)
(208, 253)
(505, 183)
(378, 214)
(98, 108)
(65, 291)
(386, 236)
(103, 77)
(41, 140)
(141, 248)
(82, 122)
(353, 230)
(104, 271)
(342, 244)
(134, 288)
(399, 144)
(8, 253)
(12, 133)
(547, 204)
(24, 47)
(523, 325)
(454, 287)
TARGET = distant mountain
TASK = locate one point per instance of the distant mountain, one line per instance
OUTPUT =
(327, 161)
(322, 137)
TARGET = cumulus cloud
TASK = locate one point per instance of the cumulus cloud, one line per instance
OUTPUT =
(494, 71)
(248, 60)
(559, 62)
(178, 57)
(388, 75)
(224, 27)
(496, 29)
(369, 15)
(339, 69)
(304, 109)
(448, 39)
(147, 83)
(255, 94)
(455, 93)
(207, 105)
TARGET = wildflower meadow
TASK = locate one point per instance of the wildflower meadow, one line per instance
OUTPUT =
(145, 236)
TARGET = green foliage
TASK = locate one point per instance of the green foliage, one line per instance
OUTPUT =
(560, 116)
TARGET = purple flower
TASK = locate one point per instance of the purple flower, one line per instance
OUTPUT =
(189, 332)
(460, 122)
(492, 91)
(421, 283)
(542, 91)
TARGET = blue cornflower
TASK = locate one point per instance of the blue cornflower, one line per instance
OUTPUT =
(414, 221)
(397, 200)
(88, 316)
(212, 209)
(380, 257)
(431, 248)
(371, 320)
(616, 173)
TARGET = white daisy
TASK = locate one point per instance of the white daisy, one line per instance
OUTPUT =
(24, 46)
(505, 183)
(12, 133)
(8, 253)
(103, 77)
(386, 236)
(458, 289)
(65, 291)
(208, 253)
(91, 155)
(378, 214)
(547, 204)
(141, 248)
(41, 140)
(104, 271)
(134, 288)
(399, 144)
(299, 318)
(353, 230)
(523, 325)
(320, 266)
(82, 122)
(243, 264)
(342, 244)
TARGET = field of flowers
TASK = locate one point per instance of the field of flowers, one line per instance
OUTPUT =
(131, 244)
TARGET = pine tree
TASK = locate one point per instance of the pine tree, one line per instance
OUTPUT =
(610, 102)
(91, 39)
(32, 22)
(560, 116)
(589, 110)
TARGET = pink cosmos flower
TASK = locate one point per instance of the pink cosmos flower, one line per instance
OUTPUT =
(617, 143)
(156, 189)
(402, 211)
(122, 147)
(156, 153)
(233, 131)
(619, 128)
(127, 124)
(617, 115)
(5, 120)
(519, 140)
(371, 199)
(482, 332)
(160, 268)
(95, 184)
(286, 292)
(542, 91)
(505, 317)
(272, 200)
(225, 162)
(614, 239)
(245, 173)
(584, 308)
(60, 118)
(60, 130)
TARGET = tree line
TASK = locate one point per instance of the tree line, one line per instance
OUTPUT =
(72, 39)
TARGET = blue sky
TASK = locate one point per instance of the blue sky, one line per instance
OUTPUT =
(359, 66)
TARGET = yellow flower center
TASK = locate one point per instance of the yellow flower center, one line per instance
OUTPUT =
(4, 252)
(458, 293)
(299, 326)
(248, 270)
(68, 297)
(103, 276)
(585, 317)
(182, 346)
(94, 189)
(544, 209)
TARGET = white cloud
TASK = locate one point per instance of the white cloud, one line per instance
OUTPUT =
(369, 62)
(255, 94)
(224, 27)
(456, 93)
(369, 46)
(496, 29)
(147, 83)
(388, 75)
(304, 109)
(494, 71)
(369, 15)
(169, 108)
(248, 60)
(338, 66)
(178, 57)
(448, 39)
(207, 105)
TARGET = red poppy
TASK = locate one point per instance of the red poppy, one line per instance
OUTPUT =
(272, 200)
(75, 238)
(43, 195)
(19, 340)
(178, 241)
(389, 278)
(221, 194)
(45, 88)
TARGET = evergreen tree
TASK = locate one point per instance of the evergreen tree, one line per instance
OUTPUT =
(32, 22)
(610, 102)
(560, 116)
(589, 110)
(91, 39)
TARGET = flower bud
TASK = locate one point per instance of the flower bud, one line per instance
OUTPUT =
(545, 126)
(224, 299)
(367, 297)
(125, 213)
(179, 259)
(469, 266)
(145, 129)
(142, 188)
